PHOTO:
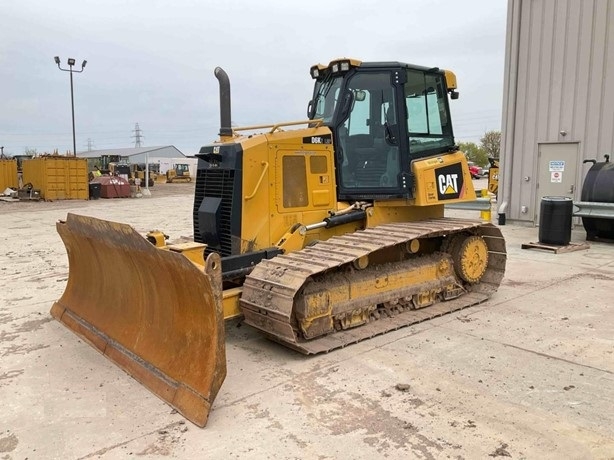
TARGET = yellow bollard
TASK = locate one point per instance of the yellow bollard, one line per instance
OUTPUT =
(485, 215)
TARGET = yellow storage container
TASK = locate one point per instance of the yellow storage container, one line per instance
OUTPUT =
(58, 178)
(8, 174)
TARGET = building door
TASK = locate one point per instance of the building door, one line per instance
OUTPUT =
(557, 170)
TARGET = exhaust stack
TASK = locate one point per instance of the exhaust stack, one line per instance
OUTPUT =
(225, 125)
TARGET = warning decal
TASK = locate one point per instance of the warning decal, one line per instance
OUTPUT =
(556, 165)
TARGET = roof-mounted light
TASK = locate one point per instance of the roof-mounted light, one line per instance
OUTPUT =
(316, 71)
(343, 65)
(334, 67)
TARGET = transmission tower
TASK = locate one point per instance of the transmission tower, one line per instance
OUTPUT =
(138, 135)
(90, 144)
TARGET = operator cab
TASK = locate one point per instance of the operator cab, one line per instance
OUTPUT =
(383, 115)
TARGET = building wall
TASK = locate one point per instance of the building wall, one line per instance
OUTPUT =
(169, 163)
(558, 88)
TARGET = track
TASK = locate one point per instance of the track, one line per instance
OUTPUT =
(272, 289)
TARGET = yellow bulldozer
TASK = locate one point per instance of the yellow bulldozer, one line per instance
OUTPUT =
(493, 176)
(320, 233)
(179, 173)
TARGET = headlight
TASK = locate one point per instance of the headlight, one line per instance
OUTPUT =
(316, 71)
(341, 66)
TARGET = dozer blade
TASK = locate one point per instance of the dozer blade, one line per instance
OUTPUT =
(151, 311)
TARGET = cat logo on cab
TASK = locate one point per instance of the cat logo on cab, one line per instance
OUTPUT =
(449, 182)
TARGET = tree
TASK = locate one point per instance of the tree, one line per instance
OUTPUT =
(474, 153)
(491, 143)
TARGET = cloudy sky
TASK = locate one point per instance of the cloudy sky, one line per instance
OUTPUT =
(151, 62)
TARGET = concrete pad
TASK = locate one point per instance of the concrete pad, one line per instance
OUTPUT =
(529, 374)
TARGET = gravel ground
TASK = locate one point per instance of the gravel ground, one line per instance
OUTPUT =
(528, 374)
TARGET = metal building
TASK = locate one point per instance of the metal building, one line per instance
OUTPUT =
(132, 155)
(558, 105)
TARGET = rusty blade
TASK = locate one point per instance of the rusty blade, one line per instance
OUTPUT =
(151, 311)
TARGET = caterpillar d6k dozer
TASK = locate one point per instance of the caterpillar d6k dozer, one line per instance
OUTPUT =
(320, 233)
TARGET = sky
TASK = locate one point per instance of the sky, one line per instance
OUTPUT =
(151, 62)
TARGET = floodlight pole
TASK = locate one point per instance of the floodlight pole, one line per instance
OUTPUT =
(71, 62)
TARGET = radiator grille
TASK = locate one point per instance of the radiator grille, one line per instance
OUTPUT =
(216, 183)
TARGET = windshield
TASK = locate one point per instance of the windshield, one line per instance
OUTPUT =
(326, 95)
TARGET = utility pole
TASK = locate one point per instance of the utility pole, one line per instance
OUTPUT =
(137, 135)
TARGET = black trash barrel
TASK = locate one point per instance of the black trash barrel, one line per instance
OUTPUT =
(599, 187)
(95, 188)
(555, 220)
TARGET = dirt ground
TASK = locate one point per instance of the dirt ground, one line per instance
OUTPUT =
(528, 374)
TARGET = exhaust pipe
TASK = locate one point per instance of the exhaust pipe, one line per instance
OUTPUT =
(225, 125)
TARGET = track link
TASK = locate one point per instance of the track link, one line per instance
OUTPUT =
(271, 290)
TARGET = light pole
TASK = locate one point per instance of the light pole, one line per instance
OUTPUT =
(71, 62)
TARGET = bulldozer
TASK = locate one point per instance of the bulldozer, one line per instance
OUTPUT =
(179, 173)
(493, 176)
(320, 233)
(139, 171)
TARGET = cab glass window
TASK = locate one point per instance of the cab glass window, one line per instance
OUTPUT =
(428, 122)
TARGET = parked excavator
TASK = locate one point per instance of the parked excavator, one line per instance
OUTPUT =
(319, 232)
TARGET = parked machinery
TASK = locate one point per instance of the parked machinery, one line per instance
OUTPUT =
(119, 169)
(493, 176)
(598, 195)
(320, 236)
(138, 171)
(179, 173)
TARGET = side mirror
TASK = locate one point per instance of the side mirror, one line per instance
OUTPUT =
(360, 95)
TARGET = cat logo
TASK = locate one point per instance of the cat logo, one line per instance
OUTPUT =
(449, 182)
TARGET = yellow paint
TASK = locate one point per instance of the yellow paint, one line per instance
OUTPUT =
(450, 79)
(58, 177)
(427, 186)
(341, 291)
(384, 212)
(8, 174)
(191, 250)
(485, 215)
(321, 198)
(292, 241)
(230, 302)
